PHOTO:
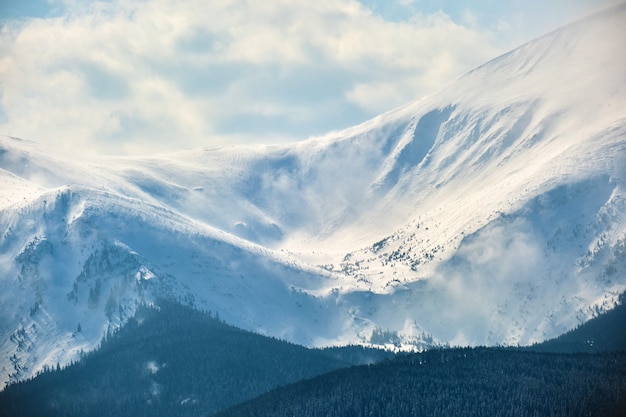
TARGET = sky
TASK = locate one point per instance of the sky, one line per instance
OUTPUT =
(145, 76)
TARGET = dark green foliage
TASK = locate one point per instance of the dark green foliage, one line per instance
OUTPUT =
(171, 362)
(458, 382)
(358, 355)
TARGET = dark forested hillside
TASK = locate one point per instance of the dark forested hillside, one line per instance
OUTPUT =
(171, 360)
(604, 333)
(458, 382)
(581, 373)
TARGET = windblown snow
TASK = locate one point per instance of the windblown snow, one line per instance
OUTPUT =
(491, 212)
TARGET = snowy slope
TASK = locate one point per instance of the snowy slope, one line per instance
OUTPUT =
(489, 212)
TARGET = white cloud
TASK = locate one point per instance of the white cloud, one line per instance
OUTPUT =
(141, 76)
(496, 269)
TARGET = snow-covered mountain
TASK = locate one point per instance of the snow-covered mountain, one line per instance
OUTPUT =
(492, 211)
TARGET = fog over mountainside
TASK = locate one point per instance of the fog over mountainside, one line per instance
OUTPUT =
(491, 212)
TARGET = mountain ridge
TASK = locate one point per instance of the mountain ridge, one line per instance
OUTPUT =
(490, 212)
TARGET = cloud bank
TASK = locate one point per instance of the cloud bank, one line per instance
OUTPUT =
(151, 75)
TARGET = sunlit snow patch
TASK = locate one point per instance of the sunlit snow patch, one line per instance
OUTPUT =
(144, 274)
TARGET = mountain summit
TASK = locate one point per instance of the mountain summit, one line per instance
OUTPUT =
(491, 212)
